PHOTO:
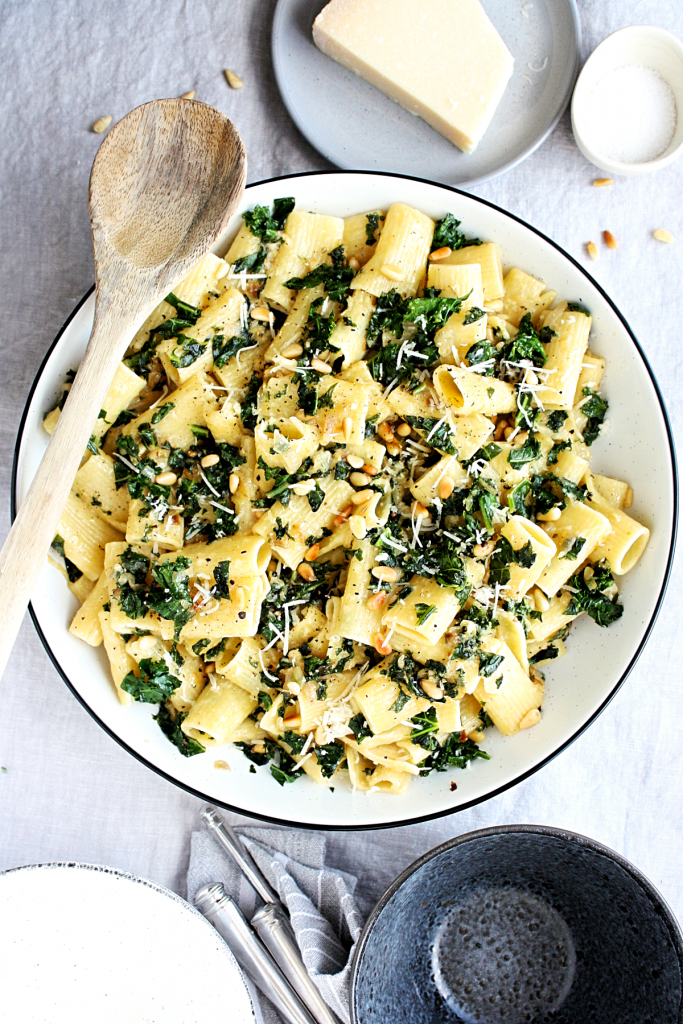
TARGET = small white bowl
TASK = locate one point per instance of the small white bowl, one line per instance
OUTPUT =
(640, 44)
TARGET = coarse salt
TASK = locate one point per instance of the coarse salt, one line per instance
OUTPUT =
(631, 115)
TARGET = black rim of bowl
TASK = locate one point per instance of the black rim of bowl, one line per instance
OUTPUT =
(416, 819)
(282, 84)
(575, 838)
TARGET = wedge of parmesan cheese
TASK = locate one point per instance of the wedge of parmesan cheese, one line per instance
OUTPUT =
(441, 59)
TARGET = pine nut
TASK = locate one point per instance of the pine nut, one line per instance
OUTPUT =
(418, 509)
(258, 512)
(320, 366)
(347, 427)
(343, 515)
(531, 718)
(446, 487)
(403, 429)
(190, 96)
(600, 182)
(550, 516)
(393, 448)
(272, 565)
(381, 645)
(260, 313)
(358, 527)
(483, 550)
(391, 271)
(306, 572)
(370, 469)
(662, 235)
(294, 688)
(610, 240)
(541, 602)
(592, 250)
(312, 553)
(628, 497)
(376, 600)
(292, 720)
(523, 437)
(432, 691)
(304, 487)
(354, 264)
(165, 479)
(101, 124)
(359, 479)
(234, 81)
(441, 254)
(501, 427)
(233, 482)
(384, 573)
(360, 496)
(507, 431)
(385, 432)
(238, 598)
(210, 460)
(222, 766)
(292, 351)
(146, 643)
(588, 573)
(355, 461)
(477, 735)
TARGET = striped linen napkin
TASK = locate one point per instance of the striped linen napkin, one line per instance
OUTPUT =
(320, 900)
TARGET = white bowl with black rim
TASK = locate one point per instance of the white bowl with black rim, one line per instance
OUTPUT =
(637, 446)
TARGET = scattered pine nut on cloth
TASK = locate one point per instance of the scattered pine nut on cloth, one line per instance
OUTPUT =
(320, 900)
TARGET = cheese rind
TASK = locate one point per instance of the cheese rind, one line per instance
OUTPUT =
(441, 59)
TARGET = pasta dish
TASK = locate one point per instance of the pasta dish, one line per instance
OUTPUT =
(338, 508)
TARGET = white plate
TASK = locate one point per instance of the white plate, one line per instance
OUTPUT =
(637, 446)
(81, 943)
(356, 126)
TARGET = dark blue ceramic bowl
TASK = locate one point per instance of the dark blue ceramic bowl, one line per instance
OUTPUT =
(519, 924)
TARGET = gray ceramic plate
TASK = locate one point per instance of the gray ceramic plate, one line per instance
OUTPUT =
(356, 126)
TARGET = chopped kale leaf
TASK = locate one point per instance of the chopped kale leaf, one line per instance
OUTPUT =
(488, 663)
(591, 595)
(426, 724)
(527, 452)
(447, 234)
(360, 727)
(559, 446)
(336, 277)
(371, 225)
(423, 611)
(329, 757)
(575, 550)
(253, 262)
(161, 411)
(595, 409)
(455, 752)
(184, 309)
(171, 728)
(154, 684)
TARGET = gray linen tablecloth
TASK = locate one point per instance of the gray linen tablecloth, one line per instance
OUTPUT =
(69, 792)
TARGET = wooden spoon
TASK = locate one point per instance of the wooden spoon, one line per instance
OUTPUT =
(164, 186)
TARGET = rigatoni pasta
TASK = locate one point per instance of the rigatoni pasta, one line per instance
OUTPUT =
(340, 506)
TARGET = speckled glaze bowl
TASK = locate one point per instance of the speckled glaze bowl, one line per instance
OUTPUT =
(517, 924)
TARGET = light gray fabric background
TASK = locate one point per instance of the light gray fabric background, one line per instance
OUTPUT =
(69, 792)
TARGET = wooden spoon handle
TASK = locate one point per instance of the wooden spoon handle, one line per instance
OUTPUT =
(35, 526)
